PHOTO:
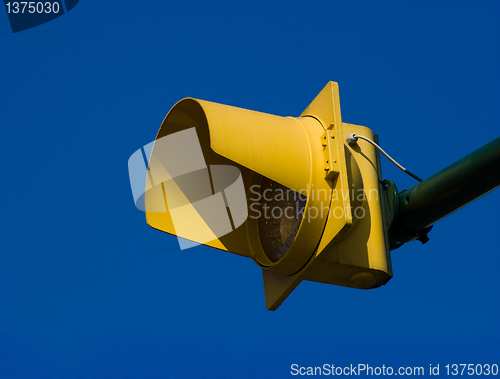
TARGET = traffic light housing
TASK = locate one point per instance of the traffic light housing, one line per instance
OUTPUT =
(287, 192)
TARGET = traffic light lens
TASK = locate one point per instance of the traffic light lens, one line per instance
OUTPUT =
(282, 210)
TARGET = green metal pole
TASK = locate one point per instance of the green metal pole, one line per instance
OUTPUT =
(443, 193)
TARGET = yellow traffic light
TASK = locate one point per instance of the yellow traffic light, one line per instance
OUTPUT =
(287, 192)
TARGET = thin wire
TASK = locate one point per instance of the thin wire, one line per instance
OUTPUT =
(353, 139)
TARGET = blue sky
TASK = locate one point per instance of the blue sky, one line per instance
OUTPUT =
(87, 289)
